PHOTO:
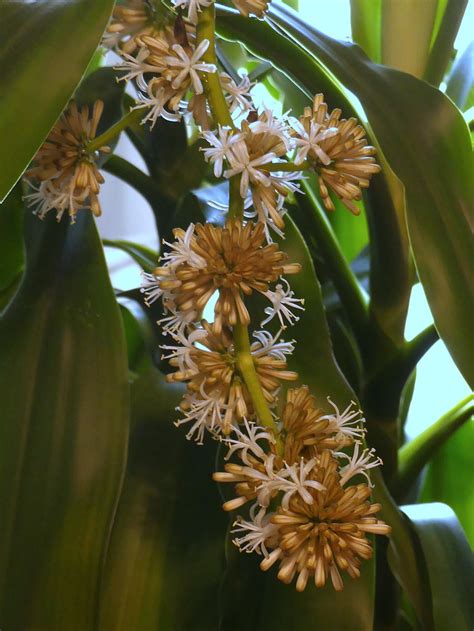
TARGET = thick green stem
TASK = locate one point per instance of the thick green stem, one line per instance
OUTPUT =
(129, 173)
(350, 292)
(222, 116)
(416, 454)
(105, 138)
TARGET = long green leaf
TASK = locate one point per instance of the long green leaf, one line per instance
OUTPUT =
(449, 478)
(64, 429)
(406, 34)
(438, 198)
(45, 48)
(450, 564)
(167, 545)
(366, 22)
(442, 47)
(414, 455)
(257, 601)
(11, 240)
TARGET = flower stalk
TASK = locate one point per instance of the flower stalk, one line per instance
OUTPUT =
(106, 138)
(222, 116)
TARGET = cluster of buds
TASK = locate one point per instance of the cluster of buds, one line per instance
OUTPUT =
(302, 473)
(305, 510)
(64, 175)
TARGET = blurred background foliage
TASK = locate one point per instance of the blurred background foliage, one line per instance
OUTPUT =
(109, 518)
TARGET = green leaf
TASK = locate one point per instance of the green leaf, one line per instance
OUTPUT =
(145, 257)
(442, 47)
(11, 239)
(414, 455)
(366, 22)
(36, 85)
(166, 552)
(63, 439)
(460, 86)
(406, 34)
(438, 199)
(449, 562)
(449, 478)
(258, 601)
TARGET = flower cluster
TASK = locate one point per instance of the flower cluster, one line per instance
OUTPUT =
(337, 150)
(217, 398)
(233, 260)
(64, 175)
(306, 512)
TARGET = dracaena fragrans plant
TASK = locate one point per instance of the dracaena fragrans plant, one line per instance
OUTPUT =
(229, 374)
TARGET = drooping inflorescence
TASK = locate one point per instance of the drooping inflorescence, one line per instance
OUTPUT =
(298, 465)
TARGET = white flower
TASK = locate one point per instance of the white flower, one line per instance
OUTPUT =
(269, 123)
(156, 100)
(257, 532)
(182, 351)
(268, 345)
(176, 323)
(205, 412)
(248, 441)
(193, 7)
(309, 141)
(190, 65)
(220, 146)
(358, 464)
(135, 67)
(181, 251)
(150, 288)
(238, 95)
(348, 422)
(240, 163)
(293, 479)
(283, 302)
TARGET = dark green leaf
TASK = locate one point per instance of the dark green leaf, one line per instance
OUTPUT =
(449, 562)
(441, 50)
(64, 429)
(11, 239)
(45, 48)
(167, 545)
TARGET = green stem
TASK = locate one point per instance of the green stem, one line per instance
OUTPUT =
(216, 97)
(413, 456)
(222, 116)
(350, 292)
(130, 174)
(247, 369)
(105, 138)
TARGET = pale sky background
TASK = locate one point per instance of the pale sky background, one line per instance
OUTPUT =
(439, 384)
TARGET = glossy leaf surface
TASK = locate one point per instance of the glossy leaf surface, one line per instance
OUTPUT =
(167, 545)
(449, 562)
(45, 48)
(64, 428)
